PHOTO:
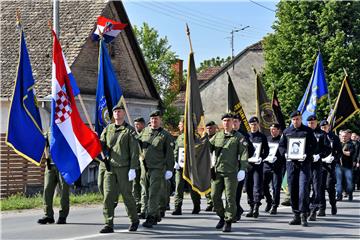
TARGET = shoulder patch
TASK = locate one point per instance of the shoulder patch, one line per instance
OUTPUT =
(171, 144)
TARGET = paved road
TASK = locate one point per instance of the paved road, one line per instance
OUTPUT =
(85, 223)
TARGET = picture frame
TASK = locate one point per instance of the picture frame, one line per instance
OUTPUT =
(181, 155)
(273, 147)
(255, 157)
(296, 148)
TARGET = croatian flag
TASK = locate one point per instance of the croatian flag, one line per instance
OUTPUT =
(109, 28)
(72, 144)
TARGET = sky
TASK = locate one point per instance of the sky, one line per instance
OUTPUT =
(210, 23)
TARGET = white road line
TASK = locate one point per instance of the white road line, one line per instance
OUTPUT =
(94, 235)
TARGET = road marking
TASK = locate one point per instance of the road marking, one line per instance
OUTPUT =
(93, 235)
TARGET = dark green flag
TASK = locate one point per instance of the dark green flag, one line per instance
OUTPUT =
(346, 105)
(264, 109)
(277, 111)
(235, 107)
(197, 151)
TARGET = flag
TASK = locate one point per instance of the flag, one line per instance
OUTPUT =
(316, 89)
(197, 151)
(235, 107)
(24, 133)
(277, 111)
(346, 105)
(109, 28)
(108, 92)
(72, 144)
(264, 109)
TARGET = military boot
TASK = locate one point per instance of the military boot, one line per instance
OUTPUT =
(107, 229)
(256, 210)
(296, 220)
(150, 221)
(251, 212)
(304, 222)
(227, 227)
(61, 220)
(209, 208)
(273, 210)
(220, 224)
(196, 210)
(321, 213)
(312, 216)
(333, 210)
(268, 207)
(45, 220)
(134, 226)
(177, 211)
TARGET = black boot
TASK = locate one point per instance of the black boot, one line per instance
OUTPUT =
(256, 210)
(134, 226)
(268, 207)
(61, 220)
(209, 208)
(227, 227)
(273, 210)
(251, 212)
(196, 210)
(286, 202)
(177, 211)
(162, 214)
(312, 216)
(296, 220)
(107, 229)
(150, 221)
(321, 213)
(304, 222)
(142, 215)
(333, 210)
(220, 224)
(350, 197)
(45, 220)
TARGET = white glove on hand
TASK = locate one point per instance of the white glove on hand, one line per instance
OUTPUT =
(316, 157)
(332, 158)
(168, 175)
(274, 159)
(132, 174)
(241, 175)
(304, 156)
(286, 155)
(259, 161)
(177, 166)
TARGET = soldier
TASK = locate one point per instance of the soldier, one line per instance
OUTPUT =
(251, 150)
(323, 149)
(158, 162)
(345, 166)
(355, 138)
(230, 149)
(210, 130)
(179, 180)
(273, 171)
(139, 124)
(118, 140)
(52, 179)
(298, 167)
(328, 170)
(254, 179)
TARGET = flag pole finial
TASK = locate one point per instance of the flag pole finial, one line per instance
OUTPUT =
(345, 72)
(18, 18)
(188, 34)
(50, 25)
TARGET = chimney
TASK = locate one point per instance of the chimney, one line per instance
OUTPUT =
(178, 77)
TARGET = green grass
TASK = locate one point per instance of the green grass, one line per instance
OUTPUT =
(20, 201)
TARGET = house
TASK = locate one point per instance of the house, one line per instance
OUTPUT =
(77, 22)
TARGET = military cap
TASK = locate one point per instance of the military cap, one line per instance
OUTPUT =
(226, 115)
(156, 113)
(275, 125)
(253, 120)
(118, 106)
(237, 116)
(323, 123)
(139, 119)
(311, 118)
(209, 124)
(295, 113)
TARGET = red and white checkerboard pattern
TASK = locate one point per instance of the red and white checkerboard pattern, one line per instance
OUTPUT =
(62, 107)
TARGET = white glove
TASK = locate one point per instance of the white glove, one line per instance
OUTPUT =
(316, 157)
(274, 159)
(132, 174)
(304, 156)
(259, 161)
(241, 175)
(168, 175)
(286, 155)
(177, 166)
(332, 158)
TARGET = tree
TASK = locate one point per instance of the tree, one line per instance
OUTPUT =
(300, 30)
(213, 62)
(159, 59)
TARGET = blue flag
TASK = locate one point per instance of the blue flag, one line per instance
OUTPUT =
(108, 92)
(24, 133)
(316, 89)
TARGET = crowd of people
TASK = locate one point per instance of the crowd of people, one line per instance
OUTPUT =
(141, 162)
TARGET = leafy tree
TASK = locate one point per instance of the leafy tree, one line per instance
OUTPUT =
(213, 62)
(300, 30)
(159, 59)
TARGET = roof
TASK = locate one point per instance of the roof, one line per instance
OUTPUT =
(77, 22)
(207, 73)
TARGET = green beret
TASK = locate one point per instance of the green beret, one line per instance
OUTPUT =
(226, 115)
(295, 114)
(118, 106)
(209, 124)
(155, 113)
(140, 119)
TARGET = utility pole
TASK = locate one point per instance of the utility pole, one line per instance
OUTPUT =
(232, 38)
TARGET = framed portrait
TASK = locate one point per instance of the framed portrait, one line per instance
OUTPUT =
(255, 157)
(273, 147)
(181, 156)
(296, 148)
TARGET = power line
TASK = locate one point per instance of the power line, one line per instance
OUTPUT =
(262, 6)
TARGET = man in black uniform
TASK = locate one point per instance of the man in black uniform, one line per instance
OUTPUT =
(251, 150)
(328, 174)
(273, 171)
(323, 149)
(254, 179)
(298, 169)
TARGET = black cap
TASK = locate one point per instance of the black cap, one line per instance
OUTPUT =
(311, 118)
(275, 125)
(253, 120)
(295, 113)
(118, 106)
(155, 113)
(226, 115)
(237, 116)
(209, 124)
(323, 123)
(139, 119)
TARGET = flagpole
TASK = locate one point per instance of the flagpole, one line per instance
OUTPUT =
(188, 34)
